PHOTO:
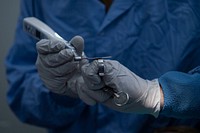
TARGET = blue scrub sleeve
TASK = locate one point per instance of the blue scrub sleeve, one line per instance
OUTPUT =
(27, 96)
(181, 94)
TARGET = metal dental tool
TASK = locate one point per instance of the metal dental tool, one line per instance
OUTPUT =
(120, 98)
(97, 58)
(40, 30)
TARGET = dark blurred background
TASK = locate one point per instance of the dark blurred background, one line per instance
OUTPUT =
(9, 10)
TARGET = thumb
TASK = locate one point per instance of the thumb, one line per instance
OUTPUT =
(111, 69)
(90, 75)
(90, 72)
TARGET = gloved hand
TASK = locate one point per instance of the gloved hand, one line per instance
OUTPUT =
(57, 69)
(144, 94)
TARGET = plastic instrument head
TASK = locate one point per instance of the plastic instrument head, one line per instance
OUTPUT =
(40, 30)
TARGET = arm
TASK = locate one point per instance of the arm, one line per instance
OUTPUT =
(181, 91)
(27, 96)
(181, 94)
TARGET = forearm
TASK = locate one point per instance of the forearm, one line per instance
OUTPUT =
(181, 95)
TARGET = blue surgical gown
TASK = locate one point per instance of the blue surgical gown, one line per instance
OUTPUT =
(150, 37)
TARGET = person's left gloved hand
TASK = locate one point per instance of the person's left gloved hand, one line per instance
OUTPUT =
(144, 94)
(57, 68)
(59, 72)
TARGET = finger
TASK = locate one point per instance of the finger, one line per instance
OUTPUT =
(111, 70)
(90, 72)
(116, 75)
(99, 95)
(64, 69)
(56, 59)
(77, 85)
(92, 79)
(84, 60)
(83, 96)
(56, 86)
(46, 46)
(78, 43)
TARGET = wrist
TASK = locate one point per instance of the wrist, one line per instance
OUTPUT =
(161, 98)
(153, 98)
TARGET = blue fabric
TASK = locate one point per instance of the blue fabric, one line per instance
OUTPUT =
(150, 37)
(181, 94)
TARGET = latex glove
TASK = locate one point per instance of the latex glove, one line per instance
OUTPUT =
(144, 94)
(56, 67)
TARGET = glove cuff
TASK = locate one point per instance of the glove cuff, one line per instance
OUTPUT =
(153, 98)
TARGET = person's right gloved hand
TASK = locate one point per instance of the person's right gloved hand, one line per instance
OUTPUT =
(144, 95)
(57, 69)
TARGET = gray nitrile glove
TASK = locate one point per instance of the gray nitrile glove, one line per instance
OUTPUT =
(144, 94)
(56, 67)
